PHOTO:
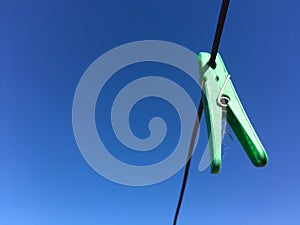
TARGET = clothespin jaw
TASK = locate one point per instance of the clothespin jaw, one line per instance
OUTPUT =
(221, 102)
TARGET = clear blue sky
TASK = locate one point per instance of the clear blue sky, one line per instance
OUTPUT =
(45, 47)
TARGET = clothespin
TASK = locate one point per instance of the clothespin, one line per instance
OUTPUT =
(221, 101)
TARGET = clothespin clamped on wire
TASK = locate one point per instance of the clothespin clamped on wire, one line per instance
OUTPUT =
(221, 101)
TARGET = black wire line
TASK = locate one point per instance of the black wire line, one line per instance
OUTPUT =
(212, 64)
(218, 34)
(187, 166)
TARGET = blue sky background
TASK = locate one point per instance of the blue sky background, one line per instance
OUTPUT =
(45, 47)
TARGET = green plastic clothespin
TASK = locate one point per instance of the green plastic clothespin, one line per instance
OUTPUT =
(221, 100)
